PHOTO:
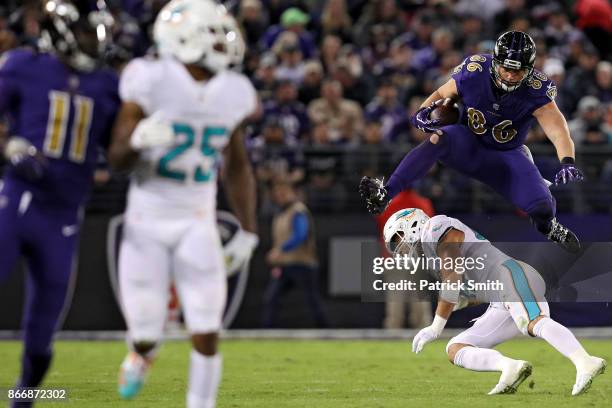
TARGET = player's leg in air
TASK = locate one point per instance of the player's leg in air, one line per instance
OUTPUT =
(511, 173)
(525, 313)
(144, 281)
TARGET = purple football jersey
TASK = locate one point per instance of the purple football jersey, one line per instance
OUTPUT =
(67, 115)
(500, 120)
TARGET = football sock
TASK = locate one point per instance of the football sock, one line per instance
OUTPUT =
(562, 339)
(480, 359)
(33, 369)
(204, 379)
(415, 165)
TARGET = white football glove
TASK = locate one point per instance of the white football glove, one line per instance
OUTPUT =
(152, 132)
(239, 250)
(428, 334)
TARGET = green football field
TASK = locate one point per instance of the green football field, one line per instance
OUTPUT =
(331, 373)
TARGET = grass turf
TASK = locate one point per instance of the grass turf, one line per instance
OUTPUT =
(318, 374)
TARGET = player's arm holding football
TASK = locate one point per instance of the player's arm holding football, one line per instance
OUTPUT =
(555, 127)
(448, 248)
(421, 120)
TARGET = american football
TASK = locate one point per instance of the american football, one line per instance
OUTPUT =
(446, 112)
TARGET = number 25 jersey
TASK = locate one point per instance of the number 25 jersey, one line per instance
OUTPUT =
(182, 178)
(500, 120)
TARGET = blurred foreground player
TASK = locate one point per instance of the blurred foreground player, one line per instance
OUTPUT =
(180, 112)
(61, 104)
(518, 308)
(502, 94)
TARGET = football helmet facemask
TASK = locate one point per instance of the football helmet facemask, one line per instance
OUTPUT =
(516, 51)
(79, 32)
(192, 32)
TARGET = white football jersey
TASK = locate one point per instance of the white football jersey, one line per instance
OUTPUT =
(183, 177)
(474, 246)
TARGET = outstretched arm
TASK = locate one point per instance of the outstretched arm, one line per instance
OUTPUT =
(448, 247)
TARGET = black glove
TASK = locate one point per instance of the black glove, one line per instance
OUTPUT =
(375, 194)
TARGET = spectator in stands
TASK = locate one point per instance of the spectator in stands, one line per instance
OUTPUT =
(293, 256)
(384, 17)
(311, 86)
(594, 20)
(292, 20)
(471, 29)
(291, 67)
(354, 85)
(336, 20)
(594, 135)
(581, 78)
(330, 51)
(344, 118)
(265, 77)
(589, 114)
(253, 21)
(386, 110)
(273, 158)
(431, 57)
(512, 9)
(289, 112)
(603, 81)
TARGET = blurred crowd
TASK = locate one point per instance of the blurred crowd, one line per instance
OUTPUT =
(338, 79)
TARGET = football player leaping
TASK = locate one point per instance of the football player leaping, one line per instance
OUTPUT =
(520, 308)
(501, 94)
(179, 113)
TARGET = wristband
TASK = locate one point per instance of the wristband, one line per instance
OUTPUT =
(438, 324)
(568, 160)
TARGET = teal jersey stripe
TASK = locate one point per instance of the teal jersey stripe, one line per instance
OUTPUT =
(522, 287)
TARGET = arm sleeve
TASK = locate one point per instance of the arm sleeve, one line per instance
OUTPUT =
(300, 232)
(542, 91)
(135, 84)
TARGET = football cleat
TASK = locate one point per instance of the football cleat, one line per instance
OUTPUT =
(563, 236)
(584, 378)
(512, 376)
(132, 375)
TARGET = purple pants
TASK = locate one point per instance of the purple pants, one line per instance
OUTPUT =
(47, 239)
(509, 172)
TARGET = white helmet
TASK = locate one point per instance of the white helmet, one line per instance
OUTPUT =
(233, 38)
(192, 32)
(403, 230)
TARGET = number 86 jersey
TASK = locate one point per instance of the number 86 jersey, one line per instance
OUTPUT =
(181, 178)
(500, 120)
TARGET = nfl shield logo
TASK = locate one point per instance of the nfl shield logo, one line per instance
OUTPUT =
(496, 106)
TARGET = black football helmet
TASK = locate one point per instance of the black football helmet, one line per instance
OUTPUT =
(514, 50)
(80, 32)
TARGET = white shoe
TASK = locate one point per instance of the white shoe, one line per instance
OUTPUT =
(512, 376)
(585, 376)
(132, 375)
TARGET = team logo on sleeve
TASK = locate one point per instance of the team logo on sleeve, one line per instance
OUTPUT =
(540, 75)
(551, 91)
